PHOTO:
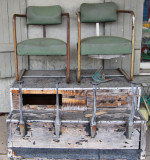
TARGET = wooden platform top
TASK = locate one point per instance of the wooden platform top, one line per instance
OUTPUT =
(118, 116)
(48, 82)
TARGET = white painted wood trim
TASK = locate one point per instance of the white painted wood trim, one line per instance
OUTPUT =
(11, 103)
(144, 74)
(145, 65)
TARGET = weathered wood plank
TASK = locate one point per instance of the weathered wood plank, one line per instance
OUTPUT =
(6, 47)
(74, 136)
(5, 94)
(5, 65)
(8, 8)
(4, 15)
(78, 98)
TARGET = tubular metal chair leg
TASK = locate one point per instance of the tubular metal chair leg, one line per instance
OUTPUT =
(16, 69)
(79, 49)
(132, 68)
(79, 65)
(15, 47)
(68, 68)
(68, 48)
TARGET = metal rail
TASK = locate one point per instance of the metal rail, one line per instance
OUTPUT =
(93, 119)
(130, 124)
(57, 120)
(21, 123)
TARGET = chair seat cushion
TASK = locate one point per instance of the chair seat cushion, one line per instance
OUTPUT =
(41, 47)
(106, 45)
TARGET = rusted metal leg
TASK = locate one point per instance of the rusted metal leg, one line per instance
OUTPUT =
(16, 68)
(15, 47)
(57, 120)
(22, 73)
(79, 65)
(68, 48)
(79, 49)
(21, 123)
(125, 74)
(68, 69)
(93, 120)
(130, 124)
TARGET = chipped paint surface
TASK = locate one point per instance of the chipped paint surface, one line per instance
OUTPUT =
(76, 110)
(80, 99)
(42, 135)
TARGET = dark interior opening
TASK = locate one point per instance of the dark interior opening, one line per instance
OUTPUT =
(41, 99)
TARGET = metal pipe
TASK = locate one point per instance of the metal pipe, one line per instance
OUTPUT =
(57, 104)
(44, 76)
(57, 120)
(44, 31)
(134, 103)
(15, 47)
(132, 114)
(133, 40)
(97, 29)
(21, 123)
(93, 120)
(103, 29)
(94, 111)
(79, 45)
(15, 42)
(20, 101)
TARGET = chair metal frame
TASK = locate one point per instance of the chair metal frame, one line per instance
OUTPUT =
(130, 78)
(44, 35)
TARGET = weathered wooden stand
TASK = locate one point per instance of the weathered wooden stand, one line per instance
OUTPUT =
(76, 121)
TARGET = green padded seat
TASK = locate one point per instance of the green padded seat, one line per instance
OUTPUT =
(105, 45)
(42, 47)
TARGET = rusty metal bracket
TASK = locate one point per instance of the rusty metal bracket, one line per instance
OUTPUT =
(57, 120)
(21, 122)
(93, 119)
(130, 124)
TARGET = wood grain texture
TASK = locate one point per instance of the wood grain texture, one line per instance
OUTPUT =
(7, 9)
(5, 94)
(79, 98)
(41, 135)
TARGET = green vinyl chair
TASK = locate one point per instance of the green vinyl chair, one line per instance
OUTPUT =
(103, 46)
(43, 15)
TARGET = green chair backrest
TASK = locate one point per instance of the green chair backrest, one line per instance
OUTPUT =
(42, 15)
(98, 12)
